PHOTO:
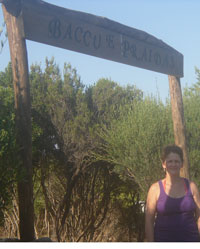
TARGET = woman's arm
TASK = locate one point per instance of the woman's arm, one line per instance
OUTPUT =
(150, 212)
(196, 196)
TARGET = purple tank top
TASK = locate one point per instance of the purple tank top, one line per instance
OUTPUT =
(175, 220)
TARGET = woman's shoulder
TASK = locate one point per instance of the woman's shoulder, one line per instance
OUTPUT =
(195, 192)
(154, 188)
(156, 185)
(193, 186)
(154, 192)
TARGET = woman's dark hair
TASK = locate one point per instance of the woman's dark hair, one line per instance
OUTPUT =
(171, 149)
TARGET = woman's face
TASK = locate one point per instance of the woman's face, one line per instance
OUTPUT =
(173, 164)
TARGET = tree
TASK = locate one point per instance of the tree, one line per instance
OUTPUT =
(75, 113)
(71, 118)
(133, 143)
(106, 97)
(62, 137)
(7, 139)
(191, 100)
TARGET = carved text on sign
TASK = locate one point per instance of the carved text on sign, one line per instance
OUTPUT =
(127, 48)
(100, 37)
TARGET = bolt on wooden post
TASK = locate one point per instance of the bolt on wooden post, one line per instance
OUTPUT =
(18, 52)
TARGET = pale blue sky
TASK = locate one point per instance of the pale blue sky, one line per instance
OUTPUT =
(176, 22)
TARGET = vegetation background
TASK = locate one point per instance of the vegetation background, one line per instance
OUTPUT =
(96, 151)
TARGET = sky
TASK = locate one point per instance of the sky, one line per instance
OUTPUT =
(175, 22)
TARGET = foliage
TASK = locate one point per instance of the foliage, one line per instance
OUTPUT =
(95, 149)
(73, 112)
(191, 100)
(133, 143)
(60, 104)
(8, 149)
(106, 97)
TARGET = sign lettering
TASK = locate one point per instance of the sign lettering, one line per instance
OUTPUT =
(94, 36)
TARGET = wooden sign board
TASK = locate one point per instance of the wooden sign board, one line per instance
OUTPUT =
(98, 36)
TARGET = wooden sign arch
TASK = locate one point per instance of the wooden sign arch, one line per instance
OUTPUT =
(39, 21)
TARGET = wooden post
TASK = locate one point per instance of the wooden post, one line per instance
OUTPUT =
(178, 121)
(18, 52)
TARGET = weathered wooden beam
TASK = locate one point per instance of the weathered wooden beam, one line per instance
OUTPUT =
(178, 121)
(98, 36)
(18, 52)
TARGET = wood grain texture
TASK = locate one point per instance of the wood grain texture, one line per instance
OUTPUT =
(178, 121)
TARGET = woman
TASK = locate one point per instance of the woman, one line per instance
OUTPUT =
(173, 203)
